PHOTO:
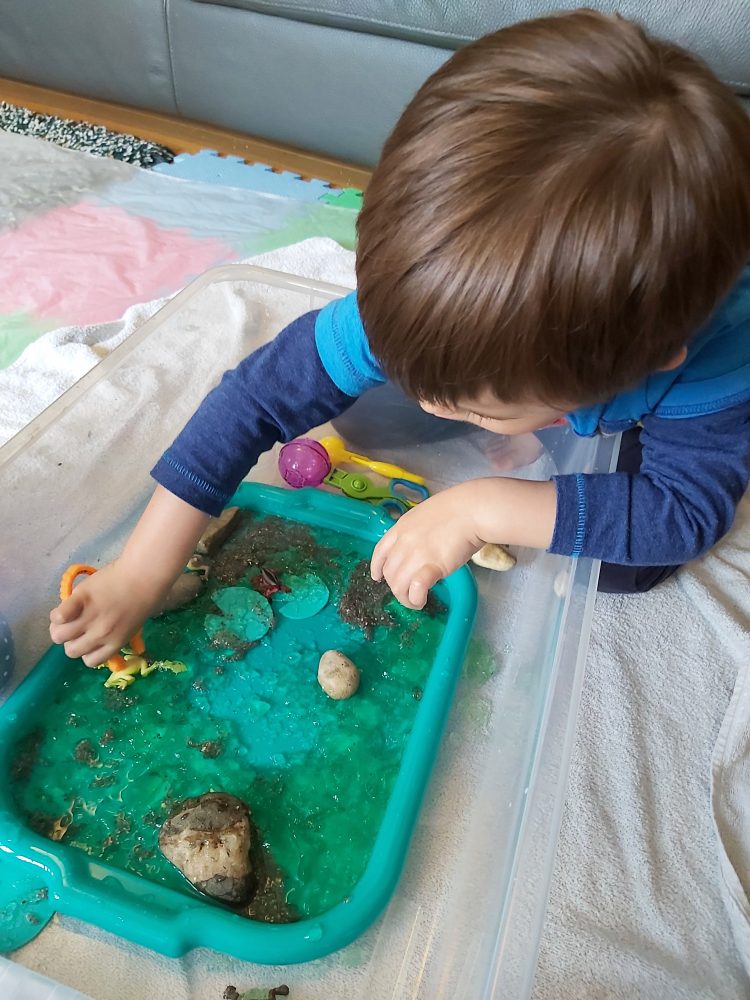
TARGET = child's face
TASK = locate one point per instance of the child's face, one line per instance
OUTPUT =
(489, 413)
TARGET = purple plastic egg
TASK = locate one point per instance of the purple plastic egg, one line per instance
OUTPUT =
(304, 462)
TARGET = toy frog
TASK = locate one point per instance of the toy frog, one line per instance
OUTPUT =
(131, 661)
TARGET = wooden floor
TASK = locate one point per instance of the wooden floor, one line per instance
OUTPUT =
(181, 135)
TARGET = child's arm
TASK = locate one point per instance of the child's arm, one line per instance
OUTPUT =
(313, 371)
(277, 393)
(433, 539)
(693, 474)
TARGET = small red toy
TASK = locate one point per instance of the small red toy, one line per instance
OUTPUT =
(268, 583)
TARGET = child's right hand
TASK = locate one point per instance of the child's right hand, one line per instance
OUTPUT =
(103, 613)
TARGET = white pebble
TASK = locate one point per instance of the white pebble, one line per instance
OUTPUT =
(560, 584)
(494, 557)
(337, 675)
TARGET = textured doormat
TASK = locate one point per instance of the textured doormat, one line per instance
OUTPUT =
(94, 139)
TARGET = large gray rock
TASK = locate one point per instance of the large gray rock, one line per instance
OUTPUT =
(208, 838)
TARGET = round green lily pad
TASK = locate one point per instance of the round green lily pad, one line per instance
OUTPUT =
(308, 596)
(247, 614)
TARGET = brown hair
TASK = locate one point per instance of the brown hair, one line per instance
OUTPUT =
(558, 210)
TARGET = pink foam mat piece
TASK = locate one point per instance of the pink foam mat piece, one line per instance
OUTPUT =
(120, 259)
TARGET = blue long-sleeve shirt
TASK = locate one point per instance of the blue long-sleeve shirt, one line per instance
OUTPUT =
(277, 393)
(693, 474)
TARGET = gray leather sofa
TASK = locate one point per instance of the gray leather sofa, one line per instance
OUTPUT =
(326, 75)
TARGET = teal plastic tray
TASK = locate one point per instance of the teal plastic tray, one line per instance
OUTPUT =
(171, 922)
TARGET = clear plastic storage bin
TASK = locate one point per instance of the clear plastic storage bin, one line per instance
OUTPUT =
(17, 983)
(467, 916)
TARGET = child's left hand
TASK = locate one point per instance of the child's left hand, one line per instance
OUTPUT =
(439, 535)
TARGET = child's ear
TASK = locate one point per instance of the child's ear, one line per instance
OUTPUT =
(675, 361)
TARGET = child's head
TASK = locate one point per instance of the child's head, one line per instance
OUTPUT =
(558, 210)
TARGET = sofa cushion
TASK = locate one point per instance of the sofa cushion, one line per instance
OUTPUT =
(447, 25)
(325, 89)
(113, 51)
(719, 31)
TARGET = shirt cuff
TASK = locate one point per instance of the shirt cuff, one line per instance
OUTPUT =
(572, 511)
(186, 485)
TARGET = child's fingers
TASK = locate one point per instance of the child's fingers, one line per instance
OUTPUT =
(67, 632)
(68, 610)
(98, 656)
(399, 572)
(421, 582)
(87, 644)
(92, 652)
(380, 554)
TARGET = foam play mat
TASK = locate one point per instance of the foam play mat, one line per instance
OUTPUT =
(83, 237)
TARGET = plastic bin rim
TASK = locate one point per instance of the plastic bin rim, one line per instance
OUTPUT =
(215, 275)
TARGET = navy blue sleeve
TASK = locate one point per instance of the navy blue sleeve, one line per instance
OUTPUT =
(277, 393)
(693, 474)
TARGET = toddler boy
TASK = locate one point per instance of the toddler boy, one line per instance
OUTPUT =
(558, 228)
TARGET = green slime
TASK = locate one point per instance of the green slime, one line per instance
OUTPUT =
(107, 766)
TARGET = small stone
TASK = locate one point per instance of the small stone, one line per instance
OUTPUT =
(123, 823)
(60, 827)
(103, 781)
(560, 584)
(209, 748)
(185, 589)
(217, 532)
(86, 752)
(494, 557)
(208, 838)
(337, 675)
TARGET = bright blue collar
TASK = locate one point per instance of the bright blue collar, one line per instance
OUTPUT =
(715, 375)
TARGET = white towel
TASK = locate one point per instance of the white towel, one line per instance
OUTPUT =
(730, 765)
(653, 864)
(56, 360)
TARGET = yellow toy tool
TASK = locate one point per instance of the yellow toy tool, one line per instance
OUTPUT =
(338, 453)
